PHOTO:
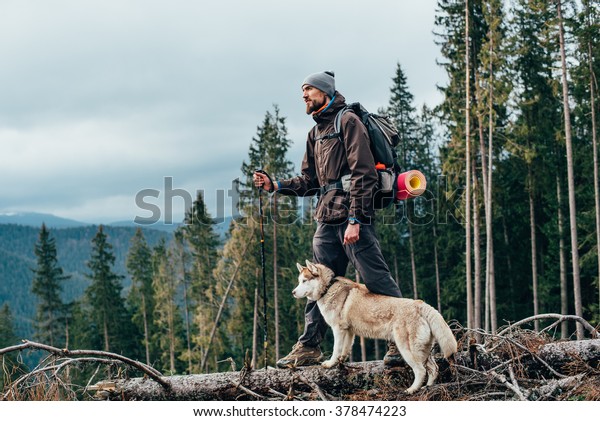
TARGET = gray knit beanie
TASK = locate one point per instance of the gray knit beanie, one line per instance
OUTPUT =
(323, 81)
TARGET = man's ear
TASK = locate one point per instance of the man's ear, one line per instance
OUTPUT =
(299, 266)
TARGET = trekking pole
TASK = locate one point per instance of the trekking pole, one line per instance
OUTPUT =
(262, 264)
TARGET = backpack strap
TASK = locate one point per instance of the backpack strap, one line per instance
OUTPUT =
(337, 125)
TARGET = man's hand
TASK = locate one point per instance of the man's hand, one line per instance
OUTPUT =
(262, 180)
(351, 234)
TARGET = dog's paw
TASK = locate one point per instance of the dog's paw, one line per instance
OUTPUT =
(329, 363)
(411, 390)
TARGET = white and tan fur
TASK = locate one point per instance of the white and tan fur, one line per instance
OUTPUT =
(350, 309)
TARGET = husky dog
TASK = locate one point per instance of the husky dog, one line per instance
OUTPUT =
(350, 309)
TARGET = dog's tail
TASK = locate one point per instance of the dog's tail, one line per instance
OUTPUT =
(440, 330)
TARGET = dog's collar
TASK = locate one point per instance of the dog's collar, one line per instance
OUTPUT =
(331, 282)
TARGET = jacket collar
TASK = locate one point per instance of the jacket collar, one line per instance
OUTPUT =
(329, 113)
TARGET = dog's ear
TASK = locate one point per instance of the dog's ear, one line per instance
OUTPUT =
(311, 266)
(299, 266)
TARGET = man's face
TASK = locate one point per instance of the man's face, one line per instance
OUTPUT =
(313, 98)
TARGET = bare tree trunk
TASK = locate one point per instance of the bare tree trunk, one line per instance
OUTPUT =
(363, 345)
(564, 296)
(146, 338)
(476, 253)
(468, 172)
(593, 83)
(477, 222)
(570, 173)
(171, 335)
(413, 263)
(533, 250)
(396, 273)
(255, 331)
(490, 277)
(275, 283)
(186, 309)
(438, 287)
(106, 340)
(511, 285)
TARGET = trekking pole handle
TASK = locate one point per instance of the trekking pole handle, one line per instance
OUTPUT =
(263, 172)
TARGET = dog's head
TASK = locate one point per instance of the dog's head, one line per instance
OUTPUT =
(313, 281)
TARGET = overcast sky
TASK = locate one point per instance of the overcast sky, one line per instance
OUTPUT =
(100, 100)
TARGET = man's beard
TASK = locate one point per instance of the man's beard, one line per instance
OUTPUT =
(313, 106)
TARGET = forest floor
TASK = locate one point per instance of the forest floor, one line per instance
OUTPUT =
(513, 364)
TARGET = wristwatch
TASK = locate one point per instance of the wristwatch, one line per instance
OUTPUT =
(352, 220)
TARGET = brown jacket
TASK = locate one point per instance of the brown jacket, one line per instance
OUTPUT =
(327, 160)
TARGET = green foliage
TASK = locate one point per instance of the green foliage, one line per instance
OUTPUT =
(47, 285)
(105, 306)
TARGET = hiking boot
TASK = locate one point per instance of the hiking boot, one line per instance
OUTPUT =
(392, 357)
(301, 355)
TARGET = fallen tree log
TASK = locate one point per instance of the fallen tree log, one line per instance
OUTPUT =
(367, 378)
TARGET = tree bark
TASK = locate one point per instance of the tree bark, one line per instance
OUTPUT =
(532, 225)
(273, 384)
(468, 172)
(570, 173)
(593, 83)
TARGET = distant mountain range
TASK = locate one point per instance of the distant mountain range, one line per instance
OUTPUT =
(19, 233)
(35, 219)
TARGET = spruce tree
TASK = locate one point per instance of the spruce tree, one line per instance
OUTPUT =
(8, 337)
(50, 321)
(202, 243)
(112, 327)
(141, 294)
(167, 314)
(11, 369)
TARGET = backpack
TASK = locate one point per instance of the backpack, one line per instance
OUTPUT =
(383, 138)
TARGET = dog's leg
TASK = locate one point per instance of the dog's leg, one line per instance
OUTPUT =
(432, 370)
(338, 343)
(412, 359)
(348, 342)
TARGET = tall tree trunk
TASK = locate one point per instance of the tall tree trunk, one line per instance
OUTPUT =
(511, 285)
(564, 296)
(468, 172)
(146, 338)
(275, 283)
(363, 344)
(438, 287)
(490, 277)
(172, 336)
(413, 264)
(396, 272)
(595, 149)
(105, 332)
(570, 174)
(476, 253)
(255, 331)
(533, 241)
(186, 310)
(477, 227)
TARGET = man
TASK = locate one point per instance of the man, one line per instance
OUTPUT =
(345, 232)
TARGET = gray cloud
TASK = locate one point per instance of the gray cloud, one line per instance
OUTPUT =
(102, 99)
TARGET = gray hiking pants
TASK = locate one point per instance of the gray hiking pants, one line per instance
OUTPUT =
(366, 257)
